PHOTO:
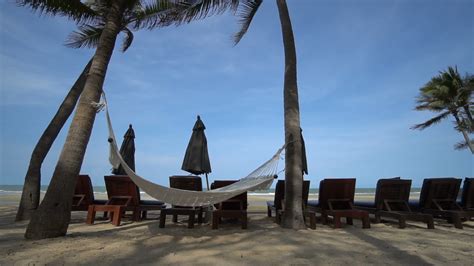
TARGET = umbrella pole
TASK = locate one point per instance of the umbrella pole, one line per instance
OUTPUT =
(207, 183)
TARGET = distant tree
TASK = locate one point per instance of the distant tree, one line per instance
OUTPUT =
(449, 94)
(100, 22)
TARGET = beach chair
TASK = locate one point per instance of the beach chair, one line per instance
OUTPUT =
(277, 204)
(336, 198)
(391, 200)
(467, 198)
(438, 197)
(123, 196)
(193, 183)
(235, 207)
(84, 194)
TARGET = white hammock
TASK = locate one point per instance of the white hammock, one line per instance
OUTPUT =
(260, 179)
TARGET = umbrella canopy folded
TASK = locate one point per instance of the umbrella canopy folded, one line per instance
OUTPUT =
(127, 150)
(304, 163)
(196, 158)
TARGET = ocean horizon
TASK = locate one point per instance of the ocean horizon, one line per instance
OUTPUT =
(15, 189)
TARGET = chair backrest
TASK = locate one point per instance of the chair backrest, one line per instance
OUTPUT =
(231, 205)
(392, 189)
(467, 199)
(187, 182)
(336, 189)
(84, 187)
(122, 185)
(280, 193)
(438, 189)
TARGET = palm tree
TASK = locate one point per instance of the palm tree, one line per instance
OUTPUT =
(449, 94)
(293, 215)
(100, 22)
(30, 196)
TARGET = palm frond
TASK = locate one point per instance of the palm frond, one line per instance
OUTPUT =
(155, 14)
(87, 36)
(128, 39)
(462, 145)
(246, 13)
(432, 121)
(200, 9)
(72, 9)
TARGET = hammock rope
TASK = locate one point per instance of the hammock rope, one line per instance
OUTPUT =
(260, 179)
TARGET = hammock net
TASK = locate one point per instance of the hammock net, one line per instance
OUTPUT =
(259, 179)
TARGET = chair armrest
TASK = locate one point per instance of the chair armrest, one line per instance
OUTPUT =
(115, 198)
(453, 203)
(405, 204)
(80, 198)
(330, 201)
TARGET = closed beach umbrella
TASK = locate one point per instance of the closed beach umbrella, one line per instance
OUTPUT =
(304, 164)
(196, 158)
(127, 150)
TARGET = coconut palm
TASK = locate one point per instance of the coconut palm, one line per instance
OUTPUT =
(100, 22)
(30, 196)
(449, 94)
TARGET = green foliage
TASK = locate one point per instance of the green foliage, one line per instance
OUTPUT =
(448, 94)
(246, 14)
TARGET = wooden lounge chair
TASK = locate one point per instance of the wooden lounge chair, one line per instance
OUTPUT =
(186, 183)
(235, 207)
(84, 194)
(391, 200)
(467, 198)
(336, 198)
(123, 196)
(277, 204)
(438, 197)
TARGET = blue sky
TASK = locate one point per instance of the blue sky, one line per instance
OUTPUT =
(360, 65)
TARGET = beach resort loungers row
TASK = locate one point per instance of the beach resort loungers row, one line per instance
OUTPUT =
(438, 200)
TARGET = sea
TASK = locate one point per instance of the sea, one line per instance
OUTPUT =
(17, 189)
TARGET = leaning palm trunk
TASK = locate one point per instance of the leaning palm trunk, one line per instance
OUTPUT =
(293, 215)
(463, 131)
(30, 196)
(54, 213)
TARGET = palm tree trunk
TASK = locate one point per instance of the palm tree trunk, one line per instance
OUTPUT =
(30, 196)
(54, 213)
(293, 214)
(463, 131)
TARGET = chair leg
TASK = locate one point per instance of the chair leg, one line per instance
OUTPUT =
(244, 221)
(349, 221)
(162, 219)
(402, 222)
(337, 221)
(278, 215)
(377, 218)
(175, 218)
(90, 215)
(215, 220)
(457, 221)
(144, 214)
(312, 220)
(116, 217)
(191, 220)
(365, 221)
(200, 211)
(429, 222)
(269, 211)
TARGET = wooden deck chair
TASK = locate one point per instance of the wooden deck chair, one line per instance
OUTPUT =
(391, 200)
(193, 183)
(123, 196)
(336, 198)
(438, 197)
(235, 207)
(277, 204)
(84, 194)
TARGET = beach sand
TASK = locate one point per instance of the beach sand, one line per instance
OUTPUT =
(263, 243)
